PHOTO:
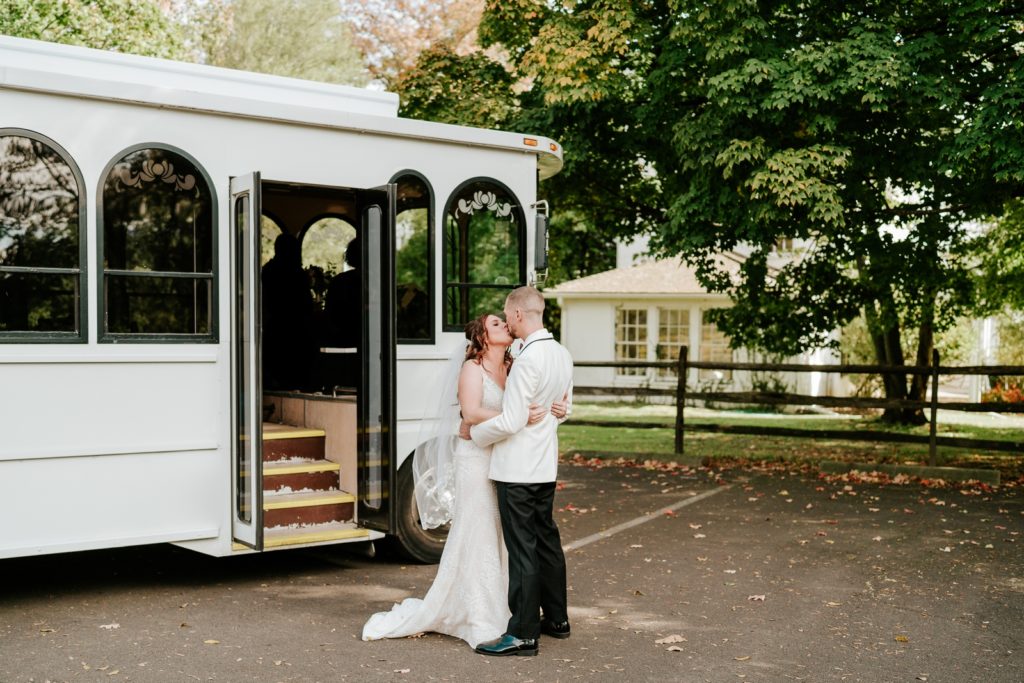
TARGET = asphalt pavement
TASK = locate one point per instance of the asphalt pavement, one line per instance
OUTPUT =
(680, 575)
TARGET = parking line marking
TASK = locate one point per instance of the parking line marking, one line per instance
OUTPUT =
(607, 533)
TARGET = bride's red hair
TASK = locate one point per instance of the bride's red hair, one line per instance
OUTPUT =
(476, 333)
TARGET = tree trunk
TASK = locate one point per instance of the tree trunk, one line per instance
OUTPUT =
(886, 339)
(919, 384)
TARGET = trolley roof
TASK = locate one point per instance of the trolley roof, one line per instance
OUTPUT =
(97, 74)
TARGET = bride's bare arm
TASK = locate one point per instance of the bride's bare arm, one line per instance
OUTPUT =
(471, 394)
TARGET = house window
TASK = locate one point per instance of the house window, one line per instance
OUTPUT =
(673, 334)
(158, 249)
(631, 339)
(413, 259)
(42, 241)
(484, 251)
(714, 348)
(784, 245)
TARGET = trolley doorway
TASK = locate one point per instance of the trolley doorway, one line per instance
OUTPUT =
(313, 362)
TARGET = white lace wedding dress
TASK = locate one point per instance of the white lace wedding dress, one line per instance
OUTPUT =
(469, 596)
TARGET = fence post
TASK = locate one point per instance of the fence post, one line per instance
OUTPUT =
(680, 397)
(934, 407)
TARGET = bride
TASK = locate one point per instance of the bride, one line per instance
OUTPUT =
(469, 596)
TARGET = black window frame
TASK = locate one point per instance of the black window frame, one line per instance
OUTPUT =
(517, 207)
(81, 335)
(431, 257)
(104, 337)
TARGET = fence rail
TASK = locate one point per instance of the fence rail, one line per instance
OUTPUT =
(682, 366)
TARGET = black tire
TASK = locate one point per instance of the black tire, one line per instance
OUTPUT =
(413, 541)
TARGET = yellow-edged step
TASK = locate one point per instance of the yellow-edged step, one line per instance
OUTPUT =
(280, 467)
(272, 430)
(319, 533)
(306, 499)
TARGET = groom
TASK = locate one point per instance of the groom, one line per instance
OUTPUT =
(524, 466)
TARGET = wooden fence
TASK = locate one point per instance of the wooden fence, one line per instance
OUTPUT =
(682, 366)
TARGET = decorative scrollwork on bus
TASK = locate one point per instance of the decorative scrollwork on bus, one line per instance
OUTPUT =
(153, 170)
(483, 199)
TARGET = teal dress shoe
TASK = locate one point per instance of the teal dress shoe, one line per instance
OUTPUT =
(509, 645)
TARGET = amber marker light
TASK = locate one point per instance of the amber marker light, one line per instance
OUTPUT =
(529, 142)
(554, 147)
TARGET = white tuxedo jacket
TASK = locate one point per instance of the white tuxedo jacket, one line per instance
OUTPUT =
(522, 454)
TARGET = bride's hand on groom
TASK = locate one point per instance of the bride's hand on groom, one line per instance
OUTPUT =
(537, 413)
(464, 430)
(559, 409)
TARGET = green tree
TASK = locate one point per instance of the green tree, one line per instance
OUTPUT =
(875, 132)
(307, 39)
(1000, 254)
(132, 26)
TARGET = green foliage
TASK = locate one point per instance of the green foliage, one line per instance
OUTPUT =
(470, 90)
(1000, 254)
(306, 39)
(872, 132)
(132, 26)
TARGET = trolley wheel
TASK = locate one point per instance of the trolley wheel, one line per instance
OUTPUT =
(415, 542)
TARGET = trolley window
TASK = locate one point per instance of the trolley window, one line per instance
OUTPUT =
(158, 249)
(484, 250)
(42, 241)
(414, 256)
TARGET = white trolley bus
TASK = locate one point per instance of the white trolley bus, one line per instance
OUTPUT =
(186, 356)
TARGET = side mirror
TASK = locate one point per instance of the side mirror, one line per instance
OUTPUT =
(540, 258)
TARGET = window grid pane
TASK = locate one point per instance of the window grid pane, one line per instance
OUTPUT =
(41, 275)
(673, 333)
(714, 348)
(158, 219)
(631, 339)
(482, 251)
(412, 260)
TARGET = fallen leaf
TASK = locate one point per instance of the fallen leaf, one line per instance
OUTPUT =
(742, 659)
(110, 626)
(211, 642)
(833, 604)
(756, 598)
(674, 638)
(636, 545)
(402, 671)
(902, 639)
(947, 549)
(876, 538)
(699, 536)
(674, 648)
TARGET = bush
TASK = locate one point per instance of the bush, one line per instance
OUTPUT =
(1004, 392)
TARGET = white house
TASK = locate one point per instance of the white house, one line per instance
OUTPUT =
(647, 311)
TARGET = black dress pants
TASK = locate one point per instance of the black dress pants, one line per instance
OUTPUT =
(536, 564)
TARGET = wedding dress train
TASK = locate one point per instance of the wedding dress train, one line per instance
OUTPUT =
(469, 596)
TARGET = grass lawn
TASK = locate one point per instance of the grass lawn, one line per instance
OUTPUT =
(659, 443)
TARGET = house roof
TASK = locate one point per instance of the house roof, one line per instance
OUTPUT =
(666, 277)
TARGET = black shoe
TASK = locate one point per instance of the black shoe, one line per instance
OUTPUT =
(555, 629)
(509, 645)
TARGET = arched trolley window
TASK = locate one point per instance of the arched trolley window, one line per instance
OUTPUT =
(157, 249)
(42, 241)
(484, 250)
(414, 258)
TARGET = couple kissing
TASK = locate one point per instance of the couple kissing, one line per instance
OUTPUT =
(501, 581)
